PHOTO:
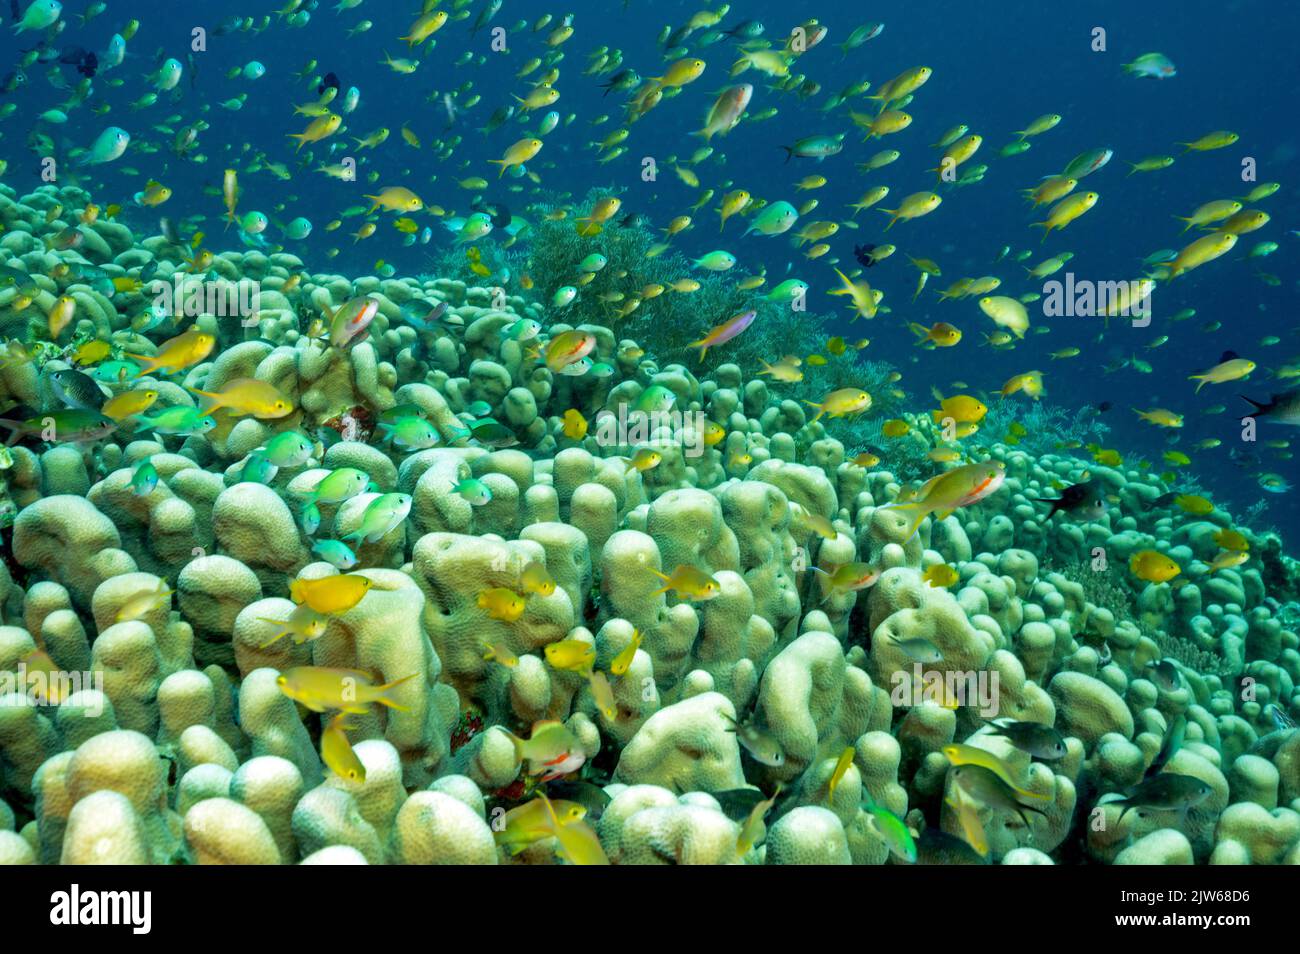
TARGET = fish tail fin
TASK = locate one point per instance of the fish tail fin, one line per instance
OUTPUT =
(789, 153)
(915, 514)
(384, 691)
(148, 361)
(920, 330)
(820, 410)
(15, 430)
(284, 631)
(1124, 811)
(1258, 408)
(214, 398)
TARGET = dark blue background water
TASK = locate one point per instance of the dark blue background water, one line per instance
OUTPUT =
(997, 66)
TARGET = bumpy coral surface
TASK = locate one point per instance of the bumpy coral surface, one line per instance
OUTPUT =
(813, 683)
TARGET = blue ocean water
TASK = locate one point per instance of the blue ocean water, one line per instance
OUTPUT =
(996, 67)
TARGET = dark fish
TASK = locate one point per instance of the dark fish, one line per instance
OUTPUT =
(489, 10)
(501, 216)
(167, 228)
(493, 434)
(86, 62)
(863, 254)
(985, 786)
(72, 425)
(421, 314)
(1283, 408)
(1266, 746)
(1040, 741)
(937, 847)
(1104, 406)
(737, 803)
(622, 80)
(329, 82)
(1084, 499)
(745, 30)
(1173, 741)
(1281, 720)
(1165, 792)
(590, 796)
(1165, 674)
(77, 389)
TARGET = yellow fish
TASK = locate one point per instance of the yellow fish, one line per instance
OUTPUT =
(336, 751)
(177, 353)
(689, 583)
(320, 688)
(960, 754)
(841, 768)
(331, 595)
(1227, 559)
(602, 694)
(144, 602)
(517, 154)
(91, 352)
(575, 425)
(535, 579)
(1232, 540)
(573, 655)
(1194, 504)
(623, 661)
(1153, 567)
(304, 623)
(501, 604)
(940, 575)
(128, 403)
(962, 408)
(526, 824)
(242, 396)
(500, 652)
(576, 842)
(1161, 417)
(643, 460)
(842, 403)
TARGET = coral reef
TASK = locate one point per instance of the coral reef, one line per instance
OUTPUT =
(772, 714)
